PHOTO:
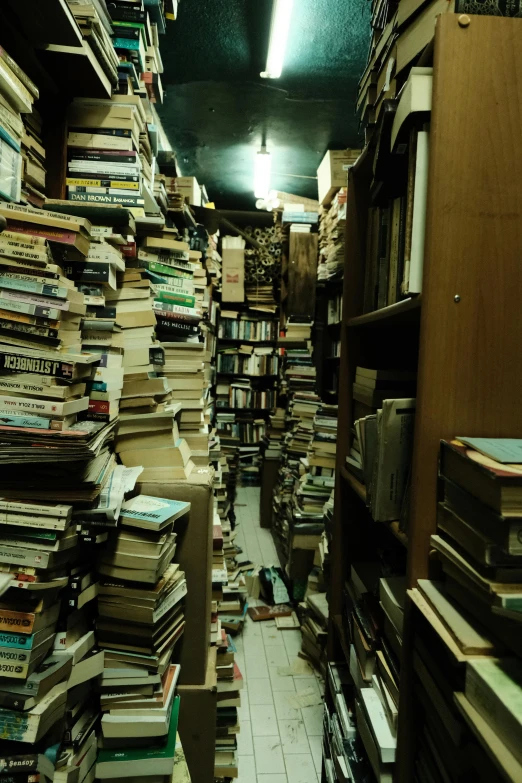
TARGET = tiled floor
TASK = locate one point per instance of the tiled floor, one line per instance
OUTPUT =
(280, 741)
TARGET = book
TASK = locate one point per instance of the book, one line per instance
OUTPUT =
(494, 689)
(496, 485)
(131, 762)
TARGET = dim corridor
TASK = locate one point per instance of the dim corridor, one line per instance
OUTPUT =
(280, 741)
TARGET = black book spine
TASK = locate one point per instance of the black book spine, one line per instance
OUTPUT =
(104, 157)
(21, 766)
(173, 327)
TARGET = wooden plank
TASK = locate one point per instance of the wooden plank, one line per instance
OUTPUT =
(467, 633)
(506, 763)
(49, 22)
(469, 378)
(302, 274)
(76, 70)
(435, 622)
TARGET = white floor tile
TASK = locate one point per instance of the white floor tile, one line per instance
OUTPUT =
(276, 656)
(280, 683)
(316, 746)
(256, 666)
(313, 719)
(245, 746)
(253, 645)
(243, 712)
(307, 685)
(284, 710)
(292, 642)
(271, 635)
(247, 770)
(300, 768)
(293, 737)
(264, 721)
(269, 756)
(272, 779)
(260, 691)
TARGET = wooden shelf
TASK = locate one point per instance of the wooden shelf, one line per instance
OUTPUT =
(401, 312)
(76, 70)
(45, 23)
(338, 625)
(356, 485)
(360, 490)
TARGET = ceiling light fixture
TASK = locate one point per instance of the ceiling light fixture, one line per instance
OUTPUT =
(263, 168)
(279, 29)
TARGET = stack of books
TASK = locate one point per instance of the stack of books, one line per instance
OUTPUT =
(332, 226)
(229, 699)
(33, 155)
(314, 629)
(467, 656)
(382, 440)
(140, 619)
(17, 95)
(344, 759)
(103, 143)
(374, 630)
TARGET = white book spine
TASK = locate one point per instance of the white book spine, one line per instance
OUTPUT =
(420, 199)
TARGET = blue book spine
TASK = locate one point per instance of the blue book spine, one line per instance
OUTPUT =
(17, 641)
(34, 422)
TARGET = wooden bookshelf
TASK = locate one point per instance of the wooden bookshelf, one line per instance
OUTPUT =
(463, 333)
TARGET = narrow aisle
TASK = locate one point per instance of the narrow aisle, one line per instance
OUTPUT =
(279, 741)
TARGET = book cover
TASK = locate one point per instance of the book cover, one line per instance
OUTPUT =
(154, 510)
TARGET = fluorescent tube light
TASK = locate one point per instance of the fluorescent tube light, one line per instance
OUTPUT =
(263, 167)
(279, 29)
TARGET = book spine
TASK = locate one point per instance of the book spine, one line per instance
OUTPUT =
(13, 236)
(126, 43)
(91, 198)
(21, 330)
(97, 272)
(14, 657)
(22, 318)
(16, 642)
(120, 14)
(12, 250)
(177, 317)
(126, 182)
(37, 422)
(13, 362)
(21, 271)
(119, 157)
(45, 289)
(98, 141)
(170, 271)
(173, 300)
(19, 73)
(50, 234)
(18, 764)
(122, 132)
(10, 620)
(34, 406)
(176, 326)
(28, 309)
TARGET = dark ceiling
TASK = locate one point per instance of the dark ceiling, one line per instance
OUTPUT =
(219, 111)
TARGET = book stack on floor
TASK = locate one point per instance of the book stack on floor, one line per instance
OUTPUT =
(467, 647)
(229, 682)
(140, 619)
(332, 225)
(104, 165)
(17, 96)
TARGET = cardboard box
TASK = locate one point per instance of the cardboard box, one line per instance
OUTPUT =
(189, 187)
(233, 283)
(197, 723)
(194, 554)
(332, 174)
